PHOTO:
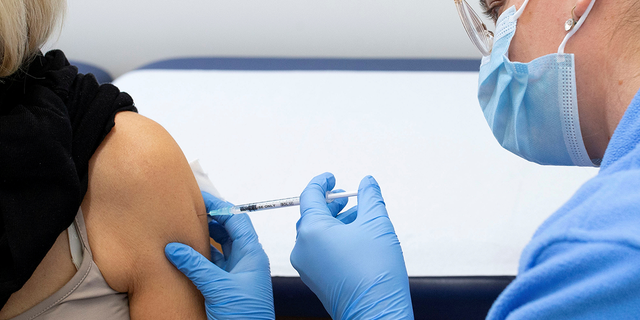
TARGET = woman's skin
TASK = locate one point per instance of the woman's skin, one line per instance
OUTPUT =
(141, 196)
(55, 270)
(607, 56)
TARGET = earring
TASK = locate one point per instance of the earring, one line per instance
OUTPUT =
(569, 24)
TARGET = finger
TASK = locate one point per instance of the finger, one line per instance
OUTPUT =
(313, 198)
(220, 235)
(349, 215)
(213, 203)
(370, 199)
(194, 265)
(217, 257)
(337, 205)
(240, 230)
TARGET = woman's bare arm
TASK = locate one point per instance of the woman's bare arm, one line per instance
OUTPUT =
(142, 195)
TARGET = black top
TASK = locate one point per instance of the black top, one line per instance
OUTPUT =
(52, 120)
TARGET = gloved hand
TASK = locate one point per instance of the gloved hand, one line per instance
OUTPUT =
(237, 285)
(356, 269)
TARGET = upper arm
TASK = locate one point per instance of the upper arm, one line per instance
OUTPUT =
(575, 280)
(141, 196)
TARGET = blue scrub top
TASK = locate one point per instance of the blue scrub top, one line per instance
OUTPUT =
(584, 261)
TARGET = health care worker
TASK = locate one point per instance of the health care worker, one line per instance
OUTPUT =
(571, 99)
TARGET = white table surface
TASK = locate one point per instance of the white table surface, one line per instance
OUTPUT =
(461, 204)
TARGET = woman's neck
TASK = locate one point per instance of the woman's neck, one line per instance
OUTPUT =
(608, 75)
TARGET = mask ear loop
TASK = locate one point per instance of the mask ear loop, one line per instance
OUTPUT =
(519, 12)
(575, 29)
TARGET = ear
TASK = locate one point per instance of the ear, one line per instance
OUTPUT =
(581, 7)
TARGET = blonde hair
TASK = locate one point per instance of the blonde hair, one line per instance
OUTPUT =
(25, 25)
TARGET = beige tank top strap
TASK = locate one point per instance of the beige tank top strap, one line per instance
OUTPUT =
(75, 245)
(82, 230)
(86, 295)
(78, 239)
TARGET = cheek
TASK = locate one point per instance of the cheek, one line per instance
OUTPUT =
(539, 32)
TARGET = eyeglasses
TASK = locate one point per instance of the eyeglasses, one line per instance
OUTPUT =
(477, 31)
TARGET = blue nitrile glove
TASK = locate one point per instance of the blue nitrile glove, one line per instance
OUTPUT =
(356, 269)
(237, 285)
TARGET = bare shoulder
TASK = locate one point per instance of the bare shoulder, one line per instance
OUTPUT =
(141, 196)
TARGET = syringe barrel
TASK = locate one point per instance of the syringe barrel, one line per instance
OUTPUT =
(266, 205)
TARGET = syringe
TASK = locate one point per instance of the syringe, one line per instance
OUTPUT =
(273, 204)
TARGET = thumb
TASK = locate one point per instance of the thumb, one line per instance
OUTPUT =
(370, 202)
(194, 265)
(213, 203)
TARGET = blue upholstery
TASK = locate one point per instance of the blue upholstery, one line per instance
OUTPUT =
(101, 75)
(472, 65)
(437, 298)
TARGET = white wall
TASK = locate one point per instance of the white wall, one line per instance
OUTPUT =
(121, 35)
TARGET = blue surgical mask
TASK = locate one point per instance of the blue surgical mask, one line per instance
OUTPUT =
(532, 107)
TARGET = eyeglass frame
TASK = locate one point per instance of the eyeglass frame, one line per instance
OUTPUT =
(477, 31)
